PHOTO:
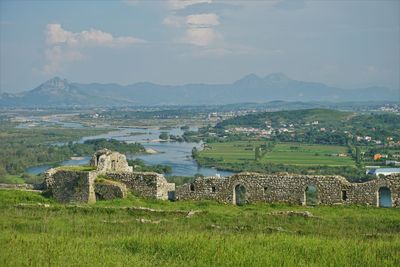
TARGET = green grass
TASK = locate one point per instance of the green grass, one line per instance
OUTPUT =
(108, 234)
(77, 168)
(282, 153)
(231, 152)
(11, 179)
(308, 154)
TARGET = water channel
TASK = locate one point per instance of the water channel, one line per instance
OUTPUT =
(174, 154)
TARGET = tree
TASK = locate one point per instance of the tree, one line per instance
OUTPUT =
(257, 153)
(358, 155)
(164, 136)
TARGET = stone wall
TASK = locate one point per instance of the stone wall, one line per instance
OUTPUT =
(105, 160)
(144, 184)
(79, 186)
(71, 186)
(107, 190)
(289, 188)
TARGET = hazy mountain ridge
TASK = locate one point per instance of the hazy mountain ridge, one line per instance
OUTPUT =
(251, 88)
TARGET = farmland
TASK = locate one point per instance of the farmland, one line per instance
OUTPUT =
(308, 154)
(281, 153)
(36, 231)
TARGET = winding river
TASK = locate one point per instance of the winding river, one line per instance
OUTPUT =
(174, 154)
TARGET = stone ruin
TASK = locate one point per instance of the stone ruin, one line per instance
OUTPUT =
(105, 160)
(113, 178)
(293, 189)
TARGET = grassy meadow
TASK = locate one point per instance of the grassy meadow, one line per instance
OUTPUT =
(282, 153)
(36, 231)
(308, 154)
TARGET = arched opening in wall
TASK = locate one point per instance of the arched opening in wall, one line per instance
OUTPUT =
(384, 197)
(239, 196)
(311, 196)
(191, 187)
(97, 160)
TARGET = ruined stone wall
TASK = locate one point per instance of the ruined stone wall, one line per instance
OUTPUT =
(71, 186)
(367, 193)
(288, 188)
(79, 186)
(106, 160)
(144, 184)
(108, 190)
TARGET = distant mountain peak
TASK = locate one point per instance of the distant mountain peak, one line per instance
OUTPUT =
(251, 76)
(249, 79)
(251, 88)
(277, 76)
(54, 84)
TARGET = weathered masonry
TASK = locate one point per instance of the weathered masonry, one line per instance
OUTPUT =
(297, 189)
(113, 178)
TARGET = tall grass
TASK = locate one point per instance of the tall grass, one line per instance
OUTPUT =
(109, 234)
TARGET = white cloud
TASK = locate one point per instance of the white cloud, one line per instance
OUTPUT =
(57, 57)
(181, 4)
(199, 28)
(64, 46)
(175, 21)
(204, 20)
(201, 36)
(56, 35)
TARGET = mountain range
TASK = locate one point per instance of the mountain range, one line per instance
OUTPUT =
(59, 92)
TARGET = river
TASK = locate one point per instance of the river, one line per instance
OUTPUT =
(174, 154)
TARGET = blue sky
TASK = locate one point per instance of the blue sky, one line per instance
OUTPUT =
(348, 44)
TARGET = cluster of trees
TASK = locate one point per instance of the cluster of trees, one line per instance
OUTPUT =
(170, 137)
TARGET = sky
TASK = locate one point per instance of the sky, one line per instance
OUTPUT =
(349, 44)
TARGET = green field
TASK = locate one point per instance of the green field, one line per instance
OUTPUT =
(282, 153)
(34, 231)
(231, 152)
(308, 154)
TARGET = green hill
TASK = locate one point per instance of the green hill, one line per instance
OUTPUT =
(275, 119)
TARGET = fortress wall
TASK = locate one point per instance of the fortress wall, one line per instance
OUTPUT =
(288, 188)
(72, 186)
(144, 184)
(78, 186)
(367, 193)
(107, 190)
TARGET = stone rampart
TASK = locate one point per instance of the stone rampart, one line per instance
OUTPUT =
(289, 188)
(107, 190)
(144, 184)
(71, 186)
(116, 178)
